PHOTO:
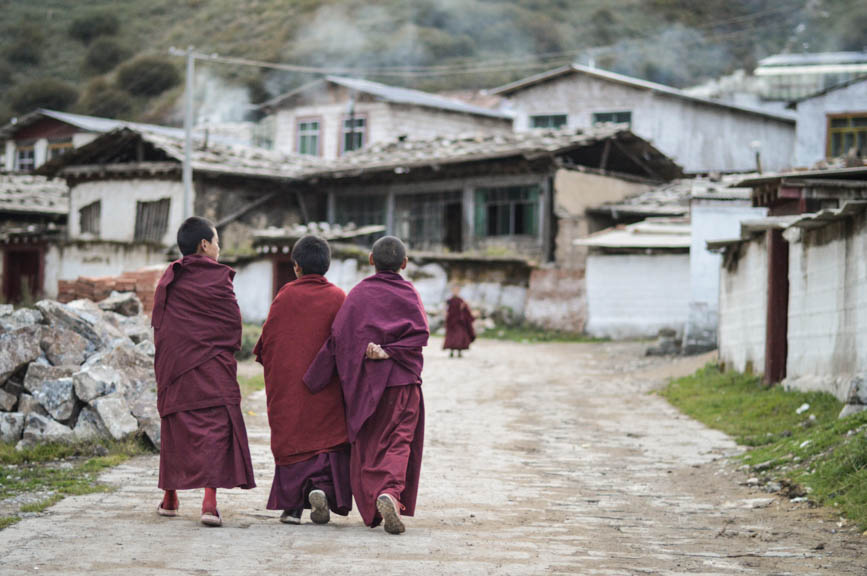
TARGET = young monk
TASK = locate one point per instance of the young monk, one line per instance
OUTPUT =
(459, 324)
(376, 347)
(197, 330)
(308, 433)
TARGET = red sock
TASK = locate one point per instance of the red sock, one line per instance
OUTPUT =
(209, 503)
(170, 500)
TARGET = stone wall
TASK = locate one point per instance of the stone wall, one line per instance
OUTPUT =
(743, 307)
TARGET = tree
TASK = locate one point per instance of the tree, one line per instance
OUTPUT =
(147, 76)
(104, 54)
(42, 93)
(88, 28)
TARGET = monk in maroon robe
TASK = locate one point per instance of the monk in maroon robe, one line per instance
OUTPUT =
(376, 348)
(459, 324)
(308, 433)
(197, 330)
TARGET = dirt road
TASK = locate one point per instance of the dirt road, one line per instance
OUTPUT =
(539, 459)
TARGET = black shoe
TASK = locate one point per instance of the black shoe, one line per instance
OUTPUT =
(291, 516)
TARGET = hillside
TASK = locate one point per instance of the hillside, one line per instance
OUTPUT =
(85, 48)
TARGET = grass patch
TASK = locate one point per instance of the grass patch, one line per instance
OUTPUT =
(251, 384)
(249, 336)
(7, 521)
(816, 450)
(59, 470)
(532, 334)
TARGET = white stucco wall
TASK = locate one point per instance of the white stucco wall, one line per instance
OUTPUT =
(827, 321)
(636, 295)
(253, 288)
(711, 220)
(95, 259)
(743, 309)
(700, 137)
(812, 132)
(118, 212)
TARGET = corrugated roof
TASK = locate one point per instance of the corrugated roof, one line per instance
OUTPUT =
(816, 58)
(856, 173)
(87, 123)
(653, 233)
(637, 83)
(397, 95)
(28, 194)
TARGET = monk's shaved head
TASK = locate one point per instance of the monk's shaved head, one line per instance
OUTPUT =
(312, 254)
(192, 232)
(388, 254)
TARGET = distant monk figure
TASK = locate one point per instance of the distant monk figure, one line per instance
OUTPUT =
(308, 433)
(459, 324)
(376, 346)
(197, 330)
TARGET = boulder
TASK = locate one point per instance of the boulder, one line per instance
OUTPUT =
(18, 348)
(37, 374)
(858, 390)
(124, 303)
(27, 404)
(849, 409)
(20, 318)
(7, 401)
(40, 429)
(64, 347)
(114, 412)
(58, 398)
(6, 310)
(98, 380)
(89, 425)
(146, 347)
(11, 426)
(139, 334)
(144, 408)
(79, 319)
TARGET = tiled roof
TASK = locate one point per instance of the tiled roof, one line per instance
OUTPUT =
(653, 233)
(27, 194)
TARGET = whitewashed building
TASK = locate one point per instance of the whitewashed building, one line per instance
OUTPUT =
(335, 115)
(701, 135)
(831, 123)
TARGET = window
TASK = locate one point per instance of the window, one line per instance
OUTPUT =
(58, 148)
(308, 137)
(431, 221)
(151, 220)
(354, 130)
(846, 132)
(551, 121)
(612, 118)
(25, 159)
(512, 211)
(360, 210)
(88, 218)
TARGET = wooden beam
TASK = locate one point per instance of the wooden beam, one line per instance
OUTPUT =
(638, 161)
(303, 206)
(605, 152)
(246, 209)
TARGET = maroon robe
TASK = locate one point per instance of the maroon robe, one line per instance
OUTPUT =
(308, 432)
(459, 325)
(384, 403)
(197, 329)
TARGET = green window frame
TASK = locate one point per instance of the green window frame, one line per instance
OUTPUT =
(308, 137)
(846, 131)
(507, 211)
(549, 121)
(621, 117)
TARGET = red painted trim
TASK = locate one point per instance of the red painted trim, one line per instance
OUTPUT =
(319, 139)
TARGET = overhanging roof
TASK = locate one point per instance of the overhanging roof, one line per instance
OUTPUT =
(653, 233)
(85, 123)
(606, 75)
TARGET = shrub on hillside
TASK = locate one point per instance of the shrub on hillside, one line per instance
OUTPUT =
(42, 93)
(104, 54)
(6, 72)
(92, 26)
(147, 76)
(103, 99)
(23, 52)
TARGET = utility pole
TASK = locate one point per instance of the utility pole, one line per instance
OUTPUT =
(188, 135)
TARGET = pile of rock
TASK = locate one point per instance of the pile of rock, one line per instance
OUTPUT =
(77, 371)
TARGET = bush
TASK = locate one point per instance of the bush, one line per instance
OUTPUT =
(42, 93)
(104, 54)
(249, 336)
(24, 52)
(103, 99)
(147, 76)
(88, 28)
(6, 72)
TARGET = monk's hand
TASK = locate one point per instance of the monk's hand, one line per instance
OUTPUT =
(375, 352)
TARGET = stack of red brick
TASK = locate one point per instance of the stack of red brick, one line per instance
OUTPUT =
(143, 282)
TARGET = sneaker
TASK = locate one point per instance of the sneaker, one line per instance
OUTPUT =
(319, 512)
(291, 517)
(387, 506)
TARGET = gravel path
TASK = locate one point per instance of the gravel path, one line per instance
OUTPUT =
(539, 459)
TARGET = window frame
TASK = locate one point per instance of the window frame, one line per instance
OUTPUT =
(595, 122)
(31, 148)
(483, 206)
(343, 132)
(298, 134)
(150, 232)
(53, 146)
(830, 130)
(533, 117)
(92, 215)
